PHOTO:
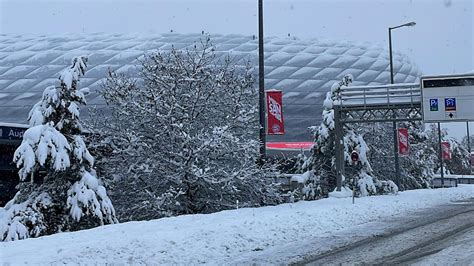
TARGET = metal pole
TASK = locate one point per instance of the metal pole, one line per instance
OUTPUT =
(339, 149)
(261, 82)
(395, 132)
(468, 140)
(440, 155)
(469, 146)
(390, 52)
(395, 152)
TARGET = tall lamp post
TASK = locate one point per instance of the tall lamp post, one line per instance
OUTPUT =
(395, 133)
(261, 83)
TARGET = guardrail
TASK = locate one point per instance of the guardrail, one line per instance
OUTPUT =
(379, 95)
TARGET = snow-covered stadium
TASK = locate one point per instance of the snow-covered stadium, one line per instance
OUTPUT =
(303, 69)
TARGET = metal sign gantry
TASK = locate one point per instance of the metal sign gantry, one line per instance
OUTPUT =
(368, 104)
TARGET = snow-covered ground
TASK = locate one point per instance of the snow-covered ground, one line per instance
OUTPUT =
(276, 234)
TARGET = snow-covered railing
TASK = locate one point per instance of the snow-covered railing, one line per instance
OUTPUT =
(408, 93)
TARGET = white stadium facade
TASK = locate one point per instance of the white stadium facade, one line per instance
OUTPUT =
(303, 70)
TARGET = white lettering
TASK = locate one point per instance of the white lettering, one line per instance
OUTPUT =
(403, 140)
(15, 134)
(275, 109)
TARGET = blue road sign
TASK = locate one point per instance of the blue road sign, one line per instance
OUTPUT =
(433, 104)
(11, 132)
(450, 104)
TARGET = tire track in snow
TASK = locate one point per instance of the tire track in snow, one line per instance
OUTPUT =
(408, 239)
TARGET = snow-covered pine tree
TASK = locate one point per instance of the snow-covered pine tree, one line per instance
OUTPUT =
(71, 196)
(188, 133)
(319, 167)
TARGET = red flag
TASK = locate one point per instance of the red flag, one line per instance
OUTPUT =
(275, 124)
(403, 146)
(446, 148)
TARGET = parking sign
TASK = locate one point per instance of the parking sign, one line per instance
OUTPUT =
(450, 104)
(433, 104)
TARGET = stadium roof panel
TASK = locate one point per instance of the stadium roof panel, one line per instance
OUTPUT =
(303, 69)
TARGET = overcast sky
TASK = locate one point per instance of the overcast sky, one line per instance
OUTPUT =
(442, 42)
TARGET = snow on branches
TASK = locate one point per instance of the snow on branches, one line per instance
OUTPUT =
(321, 162)
(40, 143)
(60, 105)
(188, 133)
(55, 142)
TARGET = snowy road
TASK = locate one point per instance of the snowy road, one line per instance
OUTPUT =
(441, 235)
(295, 233)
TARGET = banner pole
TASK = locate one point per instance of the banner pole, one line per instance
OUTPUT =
(440, 155)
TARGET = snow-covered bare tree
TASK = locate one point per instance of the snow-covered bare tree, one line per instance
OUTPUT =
(459, 163)
(416, 168)
(71, 196)
(319, 167)
(465, 143)
(185, 135)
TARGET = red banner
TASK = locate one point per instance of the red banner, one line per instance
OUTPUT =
(446, 148)
(403, 147)
(275, 124)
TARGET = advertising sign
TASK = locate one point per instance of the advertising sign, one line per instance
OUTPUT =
(11, 133)
(275, 122)
(403, 146)
(446, 150)
(290, 146)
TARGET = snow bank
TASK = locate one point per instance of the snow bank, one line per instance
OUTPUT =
(222, 237)
(344, 193)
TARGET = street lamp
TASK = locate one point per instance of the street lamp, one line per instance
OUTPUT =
(395, 133)
(409, 24)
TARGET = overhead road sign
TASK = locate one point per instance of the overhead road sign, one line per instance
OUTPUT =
(447, 98)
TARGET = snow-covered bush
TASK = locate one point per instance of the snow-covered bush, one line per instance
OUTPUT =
(183, 138)
(71, 197)
(460, 158)
(321, 162)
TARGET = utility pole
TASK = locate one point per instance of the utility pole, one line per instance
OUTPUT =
(261, 83)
